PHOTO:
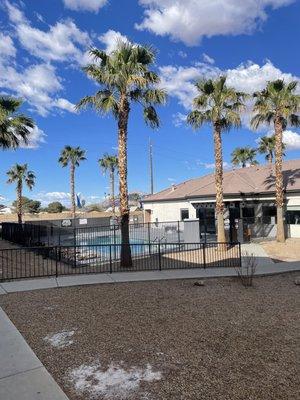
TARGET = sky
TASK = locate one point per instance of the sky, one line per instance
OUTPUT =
(44, 45)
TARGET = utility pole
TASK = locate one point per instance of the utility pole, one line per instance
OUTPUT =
(151, 167)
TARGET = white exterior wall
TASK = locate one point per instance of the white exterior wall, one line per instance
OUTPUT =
(169, 210)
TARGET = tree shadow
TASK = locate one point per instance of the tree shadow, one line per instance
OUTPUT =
(290, 177)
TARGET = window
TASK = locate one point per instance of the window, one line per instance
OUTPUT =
(269, 215)
(184, 214)
(248, 215)
(293, 217)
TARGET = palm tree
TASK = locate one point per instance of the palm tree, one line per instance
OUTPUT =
(219, 106)
(243, 156)
(14, 127)
(73, 156)
(20, 174)
(124, 78)
(109, 163)
(266, 146)
(277, 104)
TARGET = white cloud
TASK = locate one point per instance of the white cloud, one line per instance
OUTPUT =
(182, 54)
(36, 137)
(111, 38)
(64, 41)
(208, 59)
(291, 140)
(179, 81)
(179, 119)
(38, 84)
(64, 104)
(191, 20)
(85, 5)
(48, 197)
(7, 48)
(248, 77)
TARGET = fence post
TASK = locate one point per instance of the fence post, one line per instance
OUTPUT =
(149, 238)
(204, 255)
(75, 247)
(240, 255)
(56, 262)
(115, 255)
(159, 257)
(110, 260)
(178, 231)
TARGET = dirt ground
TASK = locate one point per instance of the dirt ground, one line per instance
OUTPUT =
(288, 251)
(167, 340)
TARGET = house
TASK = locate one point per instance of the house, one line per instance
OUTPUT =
(249, 199)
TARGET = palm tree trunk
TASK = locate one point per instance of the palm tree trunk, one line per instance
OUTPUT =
(279, 180)
(126, 260)
(112, 191)
(19, 202)
(219, 184)
(72, 184)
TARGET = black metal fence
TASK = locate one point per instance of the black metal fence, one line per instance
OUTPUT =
(31, 262)
(45, 235)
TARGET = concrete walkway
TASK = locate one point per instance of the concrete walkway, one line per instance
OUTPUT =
(22, 375)
(265, 267)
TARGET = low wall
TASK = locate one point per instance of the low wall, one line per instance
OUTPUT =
(294, 231)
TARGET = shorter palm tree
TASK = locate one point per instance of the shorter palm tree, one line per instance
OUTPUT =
(14, 127)
(243, 156)
(266, 146)
(109, 163)
(73, 156)
(20, 174)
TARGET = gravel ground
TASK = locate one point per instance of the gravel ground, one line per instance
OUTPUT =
(167, 340)
(288, 251)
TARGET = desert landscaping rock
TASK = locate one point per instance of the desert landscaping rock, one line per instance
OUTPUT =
(222, 342)
(199, 283)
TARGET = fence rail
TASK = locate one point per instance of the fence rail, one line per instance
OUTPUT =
(44, 235)
(31, 262)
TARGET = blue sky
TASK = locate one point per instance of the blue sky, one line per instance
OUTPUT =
(43, 45)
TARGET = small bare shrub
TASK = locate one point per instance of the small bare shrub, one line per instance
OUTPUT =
(247, 270)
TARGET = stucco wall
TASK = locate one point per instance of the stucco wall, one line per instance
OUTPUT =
(169, 211)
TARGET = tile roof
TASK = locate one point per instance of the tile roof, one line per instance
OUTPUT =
(250, 180)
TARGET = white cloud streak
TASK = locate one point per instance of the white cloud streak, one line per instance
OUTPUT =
(85, 5)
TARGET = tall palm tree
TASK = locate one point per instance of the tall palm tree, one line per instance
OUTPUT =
(277, 104)
(124, 77)
(20, 174)
(109, 163)
(14, 127)
(243, 156)
(266, 145)
(73, 156)
(219, 106)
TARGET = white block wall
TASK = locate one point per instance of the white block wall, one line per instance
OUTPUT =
(169, 211)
